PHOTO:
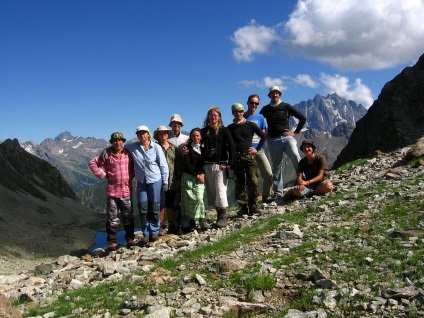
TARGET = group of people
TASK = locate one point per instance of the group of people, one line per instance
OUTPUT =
(173, 171)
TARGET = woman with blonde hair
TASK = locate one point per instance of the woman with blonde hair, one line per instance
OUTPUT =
(218, 156)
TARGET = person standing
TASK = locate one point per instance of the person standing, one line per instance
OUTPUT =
(219, 154)
(151, 172)
(312, 178)
(281, 139)
(179, 140)
(115, 163)
(245, 166)
(260, 156)
(161, 135)
(193, 185)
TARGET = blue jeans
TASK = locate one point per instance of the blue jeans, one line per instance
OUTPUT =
(278, 147)
(148, 196)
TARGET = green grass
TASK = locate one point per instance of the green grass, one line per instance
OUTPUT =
(389, 263)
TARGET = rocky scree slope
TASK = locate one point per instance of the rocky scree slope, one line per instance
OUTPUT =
(355, 253)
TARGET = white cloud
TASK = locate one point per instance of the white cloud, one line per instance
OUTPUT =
(358, 34)
(359, 92)
(347, 34)
(266, 82)
(305, 80)
(252, 39)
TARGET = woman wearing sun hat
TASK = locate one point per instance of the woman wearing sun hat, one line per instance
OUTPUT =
(312, 178)
(151, 172)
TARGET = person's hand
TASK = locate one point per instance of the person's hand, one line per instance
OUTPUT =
(223, 167)
(164, 187)
(201, 177)
(252, 150)
(184, 150)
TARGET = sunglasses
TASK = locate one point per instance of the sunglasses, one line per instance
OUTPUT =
(253, 103)
(239, 111)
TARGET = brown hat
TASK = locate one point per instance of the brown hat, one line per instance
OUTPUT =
(307, 142)
(162, 128)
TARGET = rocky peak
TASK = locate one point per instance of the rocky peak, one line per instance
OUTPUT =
(394, 120)
(326, 113)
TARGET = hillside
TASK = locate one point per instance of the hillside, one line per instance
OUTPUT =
(354, 253)
(40, 215)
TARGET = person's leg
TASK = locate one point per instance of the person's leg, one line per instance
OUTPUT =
(143, 206)
(154, 191)
(112, 221)
(252, 182)
(276, 151)
(266, 174)
(240, 181)
(323, 188)
(125, 205)
(292, 152)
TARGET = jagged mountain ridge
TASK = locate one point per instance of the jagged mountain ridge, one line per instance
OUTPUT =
(326, 113)
(70, 155)
(394, 120)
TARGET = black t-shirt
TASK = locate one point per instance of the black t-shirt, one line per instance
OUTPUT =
(310, 170)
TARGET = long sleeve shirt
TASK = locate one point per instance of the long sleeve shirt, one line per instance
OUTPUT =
(277, 118)
(119, 172)
(150, 165)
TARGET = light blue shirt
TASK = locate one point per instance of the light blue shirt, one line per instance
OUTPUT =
(149, 165)
(260, 121)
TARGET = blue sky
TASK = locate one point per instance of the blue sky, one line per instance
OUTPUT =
(95, 67)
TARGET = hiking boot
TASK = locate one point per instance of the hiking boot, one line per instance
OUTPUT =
(253, 209)
(162, 231)
(154, 237)
(269, 199)
(221, 220)
(143, 241)
(173, 229)
(112, 246)
(204, 226)
(130, 243)
(243, 210)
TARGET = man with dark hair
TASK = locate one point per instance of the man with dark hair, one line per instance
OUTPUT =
(281, 139)
(260, 156)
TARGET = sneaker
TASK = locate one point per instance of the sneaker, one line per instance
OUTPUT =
(130, 243)
(269, 199)
(112, 246)
(154, 237)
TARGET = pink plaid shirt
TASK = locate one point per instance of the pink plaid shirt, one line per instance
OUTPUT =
(118, 171)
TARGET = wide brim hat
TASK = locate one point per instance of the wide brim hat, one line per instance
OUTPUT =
(307, 142)
(176, 118)
(162, 128)
(143, 128)
(274, 88)
(117, 136)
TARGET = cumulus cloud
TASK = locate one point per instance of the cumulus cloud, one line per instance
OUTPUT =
(252, 39)
(305, 80)
(358, 34)
(347, 34)
(266, 82)
(357, 92)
